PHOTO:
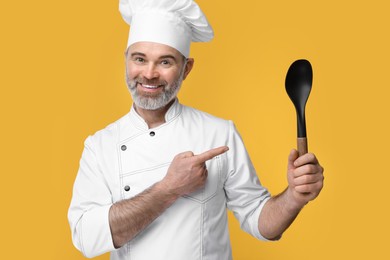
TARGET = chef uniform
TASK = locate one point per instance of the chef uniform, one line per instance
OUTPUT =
(127, 157)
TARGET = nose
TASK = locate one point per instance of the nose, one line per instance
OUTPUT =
(150, 71)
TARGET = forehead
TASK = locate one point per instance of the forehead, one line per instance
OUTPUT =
(153, 50)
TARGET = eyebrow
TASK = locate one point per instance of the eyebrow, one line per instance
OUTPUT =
(137, 54)
(168, 56)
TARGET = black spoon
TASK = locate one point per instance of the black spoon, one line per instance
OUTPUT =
(298, 85)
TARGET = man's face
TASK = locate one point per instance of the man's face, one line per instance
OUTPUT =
(154, 73)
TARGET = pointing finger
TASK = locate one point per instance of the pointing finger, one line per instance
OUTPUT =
(203, 157)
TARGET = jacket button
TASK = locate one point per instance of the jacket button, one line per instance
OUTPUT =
(123, 147)
(152, 133)
(127, 188)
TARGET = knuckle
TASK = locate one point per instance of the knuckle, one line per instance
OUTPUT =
(306, 169)
(311, 156)
(307, 179)
(315, 170)
(320, 186)
(310, 168)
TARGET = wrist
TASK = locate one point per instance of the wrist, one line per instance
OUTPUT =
(292, 203)
(166, 194)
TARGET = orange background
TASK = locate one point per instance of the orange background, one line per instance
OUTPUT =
(62, 78)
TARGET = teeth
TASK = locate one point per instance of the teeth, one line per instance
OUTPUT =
(150, 87)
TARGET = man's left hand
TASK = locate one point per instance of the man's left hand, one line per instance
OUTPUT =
(305, 178)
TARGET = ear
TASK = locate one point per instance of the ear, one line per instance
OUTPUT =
(126, 52)
(188, 67)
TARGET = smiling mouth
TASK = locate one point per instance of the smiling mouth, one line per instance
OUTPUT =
(151, 89)
(150, 86)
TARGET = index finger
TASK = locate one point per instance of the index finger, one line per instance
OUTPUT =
(308, 158)
(210, 154)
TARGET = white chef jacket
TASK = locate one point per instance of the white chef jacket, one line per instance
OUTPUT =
(126, 157)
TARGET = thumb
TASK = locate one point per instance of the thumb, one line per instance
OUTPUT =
(291, 159)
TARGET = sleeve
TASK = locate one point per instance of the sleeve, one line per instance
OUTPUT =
(245, 194)
(89, 208)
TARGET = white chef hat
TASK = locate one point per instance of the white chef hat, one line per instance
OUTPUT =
(171, 22)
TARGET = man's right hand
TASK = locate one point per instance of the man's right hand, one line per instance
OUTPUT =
(188, 173)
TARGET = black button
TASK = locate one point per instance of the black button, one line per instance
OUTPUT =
(127, 188)
(123, 147)
(152, 133)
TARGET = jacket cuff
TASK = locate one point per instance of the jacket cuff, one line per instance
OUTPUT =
(254, 223)
(95, 235)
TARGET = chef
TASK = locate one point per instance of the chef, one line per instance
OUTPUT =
(157, 183)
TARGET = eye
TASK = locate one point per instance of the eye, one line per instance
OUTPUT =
(139, 60)
(166, 62)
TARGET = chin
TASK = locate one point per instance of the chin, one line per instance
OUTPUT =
(151, 103)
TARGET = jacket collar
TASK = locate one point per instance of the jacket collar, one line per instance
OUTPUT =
(173, 112)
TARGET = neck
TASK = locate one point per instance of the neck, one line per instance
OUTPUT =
(154, 118)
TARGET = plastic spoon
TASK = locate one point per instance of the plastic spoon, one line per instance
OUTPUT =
(298, 86)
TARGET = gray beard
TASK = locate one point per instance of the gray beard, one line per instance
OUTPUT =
(154, 102)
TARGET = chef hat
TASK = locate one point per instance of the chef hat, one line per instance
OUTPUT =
(171, 22)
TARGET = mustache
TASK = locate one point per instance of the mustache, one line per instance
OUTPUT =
(152, 82)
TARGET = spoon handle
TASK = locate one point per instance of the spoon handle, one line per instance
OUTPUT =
(302, 145)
